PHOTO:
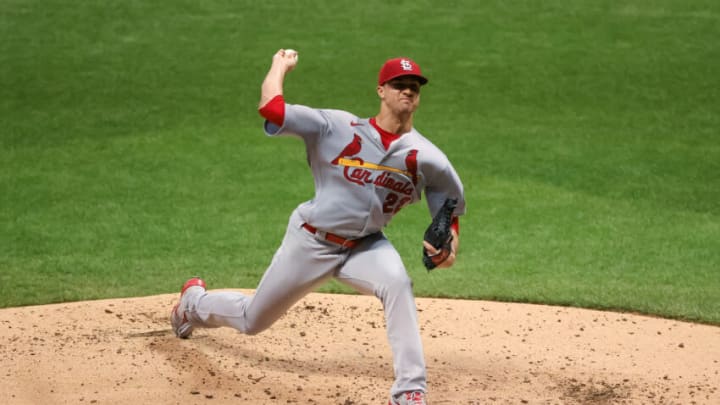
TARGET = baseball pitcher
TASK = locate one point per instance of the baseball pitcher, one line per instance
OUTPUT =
(365, 170)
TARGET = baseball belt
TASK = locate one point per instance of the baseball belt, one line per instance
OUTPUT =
(331, 237)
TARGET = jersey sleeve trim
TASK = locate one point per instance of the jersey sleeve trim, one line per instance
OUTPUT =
(274, 110)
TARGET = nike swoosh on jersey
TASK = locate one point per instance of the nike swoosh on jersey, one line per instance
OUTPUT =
(355, 124)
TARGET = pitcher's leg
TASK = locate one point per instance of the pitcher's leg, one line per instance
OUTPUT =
(376, 268)
(299, 266)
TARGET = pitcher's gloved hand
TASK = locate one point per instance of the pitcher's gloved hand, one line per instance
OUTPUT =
(438, 246)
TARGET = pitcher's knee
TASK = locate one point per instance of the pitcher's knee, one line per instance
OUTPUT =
(393, 286)
(254, 328)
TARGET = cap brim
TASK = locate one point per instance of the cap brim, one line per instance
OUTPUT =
(422, 79)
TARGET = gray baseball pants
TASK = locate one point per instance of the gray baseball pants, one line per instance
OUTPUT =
(302, 263)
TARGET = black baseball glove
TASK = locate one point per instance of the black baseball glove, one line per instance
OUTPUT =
(438, 234)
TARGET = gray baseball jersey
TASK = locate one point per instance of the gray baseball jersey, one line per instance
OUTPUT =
(359, 186)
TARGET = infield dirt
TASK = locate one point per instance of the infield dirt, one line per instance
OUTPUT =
(331, 349)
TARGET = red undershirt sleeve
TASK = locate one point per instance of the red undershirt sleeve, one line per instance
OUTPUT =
(455, 225)
(274, 110)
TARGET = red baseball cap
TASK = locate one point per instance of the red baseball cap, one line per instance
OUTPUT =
(397, 67)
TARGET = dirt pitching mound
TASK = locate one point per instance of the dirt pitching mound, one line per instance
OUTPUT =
(331, 349)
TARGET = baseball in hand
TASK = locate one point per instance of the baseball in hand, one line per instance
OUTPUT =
(292, 53)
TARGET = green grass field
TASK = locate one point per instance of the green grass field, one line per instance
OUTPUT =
(587, 134)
